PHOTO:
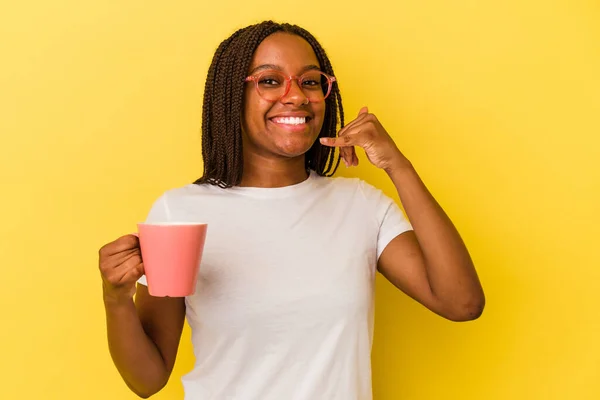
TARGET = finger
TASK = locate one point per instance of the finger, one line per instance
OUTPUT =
(354, 122)
(128, 262)
(345, 154)
(119, 262)
(351, 160)
(124, 243)
(133, 274)
(123, 273)
(353, 157)
(362, 113)
(348, 153)
(346, 140)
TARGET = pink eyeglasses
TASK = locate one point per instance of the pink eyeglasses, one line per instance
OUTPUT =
(272, 85)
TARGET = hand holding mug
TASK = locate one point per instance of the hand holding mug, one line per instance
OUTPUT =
(121, 266)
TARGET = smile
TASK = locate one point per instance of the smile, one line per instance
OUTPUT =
(291, 120)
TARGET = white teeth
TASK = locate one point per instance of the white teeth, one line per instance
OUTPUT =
(291, 120)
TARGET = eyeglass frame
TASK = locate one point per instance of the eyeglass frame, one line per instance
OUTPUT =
(288, 80)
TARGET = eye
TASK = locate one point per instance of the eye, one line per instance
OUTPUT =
(312, 80)
(270, 80)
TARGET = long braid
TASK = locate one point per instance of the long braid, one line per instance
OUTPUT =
(212, 140)
(223, 106)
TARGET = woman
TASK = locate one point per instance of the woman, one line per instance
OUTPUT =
(284, 301)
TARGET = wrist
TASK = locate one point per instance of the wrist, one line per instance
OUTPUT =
(117, 298)
(399, 165)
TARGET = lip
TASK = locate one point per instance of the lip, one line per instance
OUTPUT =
(292, 114)
(290, 128)
(295, 114)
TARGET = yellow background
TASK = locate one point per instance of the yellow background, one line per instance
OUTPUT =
(496, 103)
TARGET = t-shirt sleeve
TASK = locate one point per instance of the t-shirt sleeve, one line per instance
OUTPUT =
(159, 212)
(390, 218)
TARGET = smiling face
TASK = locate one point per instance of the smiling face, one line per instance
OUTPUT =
(288, 127)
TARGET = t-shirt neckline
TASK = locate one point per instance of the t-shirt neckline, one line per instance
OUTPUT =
(278, 192)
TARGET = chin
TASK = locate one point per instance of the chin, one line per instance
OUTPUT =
(292, 150)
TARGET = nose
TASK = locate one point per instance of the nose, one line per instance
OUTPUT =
(294, 95)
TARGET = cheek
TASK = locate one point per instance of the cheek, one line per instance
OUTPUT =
(255, 110)
(319, 113)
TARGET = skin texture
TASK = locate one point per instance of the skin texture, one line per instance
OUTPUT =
(274, 155)
(431, 264)
(143, 337)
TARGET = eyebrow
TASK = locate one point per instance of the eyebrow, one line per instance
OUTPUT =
(278, 68)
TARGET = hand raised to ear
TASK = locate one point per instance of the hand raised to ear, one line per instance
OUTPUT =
(367, 132)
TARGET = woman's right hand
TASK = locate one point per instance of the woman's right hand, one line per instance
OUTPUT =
(121, 266)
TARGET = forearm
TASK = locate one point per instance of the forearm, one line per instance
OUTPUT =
(450, 271)
(135, 355)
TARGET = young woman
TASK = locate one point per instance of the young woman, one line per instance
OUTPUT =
(284, 301)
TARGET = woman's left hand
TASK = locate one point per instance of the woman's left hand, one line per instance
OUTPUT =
(367, 132)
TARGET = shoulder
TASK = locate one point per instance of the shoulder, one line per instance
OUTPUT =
(336, 182)
(190, 190)
(190, 193)
(184, 203)
(353, 192)
(355, 186)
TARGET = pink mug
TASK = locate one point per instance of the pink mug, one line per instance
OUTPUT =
(171, 253)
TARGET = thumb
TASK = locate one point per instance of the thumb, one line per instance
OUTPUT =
(343, 141)
(363, 110)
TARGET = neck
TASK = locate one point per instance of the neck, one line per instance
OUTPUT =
(272, 173)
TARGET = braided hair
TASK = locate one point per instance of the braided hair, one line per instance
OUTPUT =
(223, 106)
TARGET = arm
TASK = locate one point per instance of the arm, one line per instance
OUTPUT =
(431, 264)
(143, 337)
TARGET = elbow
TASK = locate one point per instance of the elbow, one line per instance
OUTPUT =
(147, 392)
(469, 310)
(144, 394)
(147, 381)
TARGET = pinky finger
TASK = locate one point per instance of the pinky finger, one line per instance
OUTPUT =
(134, 273)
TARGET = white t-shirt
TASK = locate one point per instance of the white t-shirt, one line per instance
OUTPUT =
(283, 307)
